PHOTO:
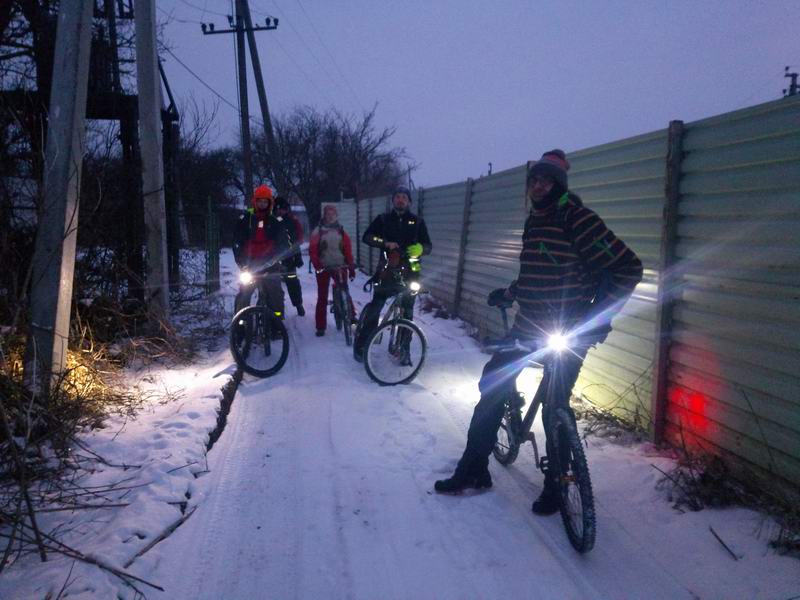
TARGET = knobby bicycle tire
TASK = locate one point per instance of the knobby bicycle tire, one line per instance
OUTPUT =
(575, 484)
(337, 308)
(347, 318)
(250, 312)
(382, 329)
(509, 436)
(359, 327)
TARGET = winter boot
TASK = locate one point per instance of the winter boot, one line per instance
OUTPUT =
(483, 479)
(301, 312)
(454, 485)
(549, 501)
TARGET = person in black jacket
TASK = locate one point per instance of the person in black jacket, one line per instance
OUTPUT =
(261, 240)
(574, 276)
(294, 261)
(402, 236)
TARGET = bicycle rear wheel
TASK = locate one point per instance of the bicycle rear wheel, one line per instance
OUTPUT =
(577, 499)
(259, 341)
(347, 318)
(509, 436)
(395, 352)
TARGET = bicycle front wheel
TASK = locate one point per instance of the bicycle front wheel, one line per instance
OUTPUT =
(509, 436)
(395, 352)
(259, 341)
(577, 499)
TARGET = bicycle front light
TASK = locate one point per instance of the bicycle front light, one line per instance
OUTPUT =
(245, 278)
(414, 286)
(557, 342)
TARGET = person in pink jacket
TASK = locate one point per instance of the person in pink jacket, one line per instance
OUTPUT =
(329, 249)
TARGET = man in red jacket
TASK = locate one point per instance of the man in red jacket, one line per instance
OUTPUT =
(260, 243)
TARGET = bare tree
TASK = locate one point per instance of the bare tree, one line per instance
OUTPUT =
(327, 154)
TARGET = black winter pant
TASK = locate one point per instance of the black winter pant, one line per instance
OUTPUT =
(372, 311)
(269, 286)
(497, 383)
(293, 286)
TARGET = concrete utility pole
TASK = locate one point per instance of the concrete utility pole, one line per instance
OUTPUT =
(272, 147)
(155, 214)
(54, 253)
(244, 108)
(244, 25)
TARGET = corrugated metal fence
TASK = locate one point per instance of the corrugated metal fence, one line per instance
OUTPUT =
(707, 351)
(732, 378)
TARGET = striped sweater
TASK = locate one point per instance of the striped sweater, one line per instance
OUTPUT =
(567, 251)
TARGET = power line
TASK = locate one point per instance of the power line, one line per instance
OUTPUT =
(319, 89)
(171, 16)
(211, 89)
(304, 43)
(333, 60)
(202, 10)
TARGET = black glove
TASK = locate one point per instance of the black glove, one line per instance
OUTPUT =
(498, 298)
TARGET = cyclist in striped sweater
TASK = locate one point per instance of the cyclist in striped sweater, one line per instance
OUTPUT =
(574, 276)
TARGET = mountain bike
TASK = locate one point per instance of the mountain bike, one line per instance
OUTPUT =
(259, 341)
(395, 352)
(342, 306)
(566, 456)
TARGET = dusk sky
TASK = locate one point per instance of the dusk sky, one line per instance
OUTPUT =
(467, 83)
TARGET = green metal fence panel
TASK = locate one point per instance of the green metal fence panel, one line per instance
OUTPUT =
(623, 182)
(444, 213)
(733, 373)
(494, 241)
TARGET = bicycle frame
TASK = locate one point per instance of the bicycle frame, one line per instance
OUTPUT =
(540, 398)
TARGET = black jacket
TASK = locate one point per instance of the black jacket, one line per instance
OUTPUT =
(404, 230)
(246, 228)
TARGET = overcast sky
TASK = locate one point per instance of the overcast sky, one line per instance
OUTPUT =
(467, 82)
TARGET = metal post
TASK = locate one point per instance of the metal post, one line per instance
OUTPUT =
(357, 241)
(462, 250)
(54, 254)
(155, 218)
(666, 279)
(244, 108)
(262, 94)
(369, 267)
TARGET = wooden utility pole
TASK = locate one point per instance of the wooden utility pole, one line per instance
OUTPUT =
(155, 216)
(54, 254)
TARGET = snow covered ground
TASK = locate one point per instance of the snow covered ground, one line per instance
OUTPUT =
(321, 487)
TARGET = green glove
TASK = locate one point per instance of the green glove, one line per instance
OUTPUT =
(414, 251)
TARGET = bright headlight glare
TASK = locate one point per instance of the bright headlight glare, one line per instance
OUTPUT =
(245, 277)
(415, 286)
(557, 342)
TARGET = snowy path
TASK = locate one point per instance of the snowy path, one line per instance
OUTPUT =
(320, 487)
